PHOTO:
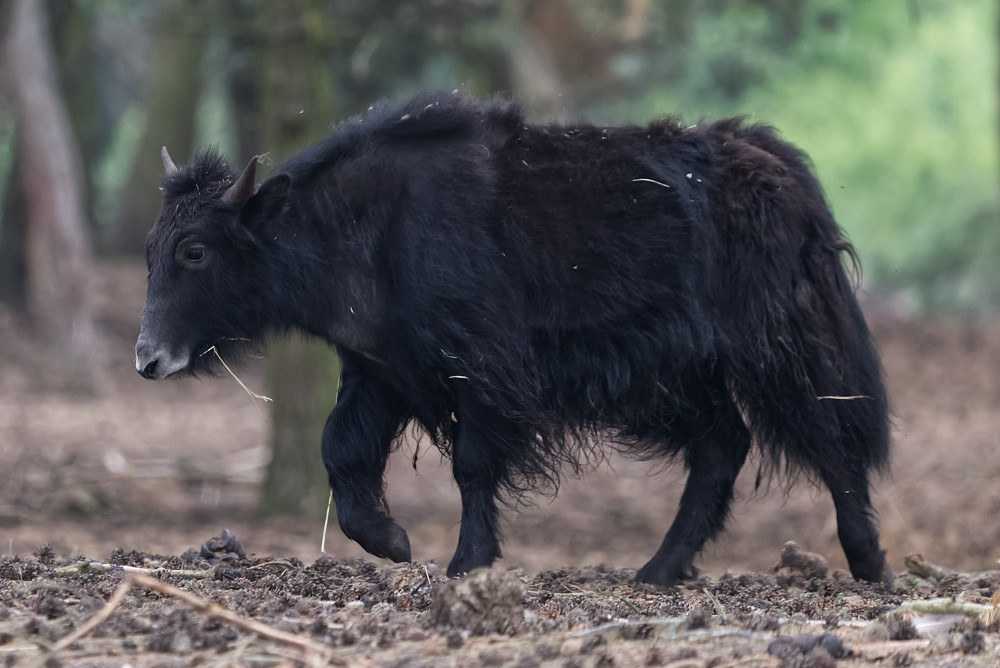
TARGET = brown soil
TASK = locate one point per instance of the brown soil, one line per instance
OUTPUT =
(142, 470)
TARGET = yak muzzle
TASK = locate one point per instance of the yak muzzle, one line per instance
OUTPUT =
(155, 362)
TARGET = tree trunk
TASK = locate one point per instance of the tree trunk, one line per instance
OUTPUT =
(173, 90)
(79, 70)
(533, 70)
(296, 105)
(13, 273)
(57, 248)
(302, 379)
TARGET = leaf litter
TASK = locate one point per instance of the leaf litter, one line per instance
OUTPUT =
(248, 610)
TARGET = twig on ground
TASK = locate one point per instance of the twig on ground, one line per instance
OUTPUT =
(630, 605)
(92, 567)
(944, 606)
(315, 653)
(287, 565)
(87, 627)
(113, 603)
(885, 648)
(716, 603)
(756, 661)
(917, 565)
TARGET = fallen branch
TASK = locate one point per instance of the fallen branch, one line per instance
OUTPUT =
(917, 565)
(716, 603)
(885, 648)
(98, 568)
(113, 603)
(315, 653)
(944, 606)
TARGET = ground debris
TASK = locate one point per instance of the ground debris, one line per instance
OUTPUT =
(796, 562)
(226, 547)
(357, 612)
(917, 565)
(97, 567)
(489, 600)
(806, 643)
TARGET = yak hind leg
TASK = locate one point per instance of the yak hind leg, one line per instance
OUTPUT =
(484, 447)
(863, 447)
(714, 461)
(856, 525)
(356, 443)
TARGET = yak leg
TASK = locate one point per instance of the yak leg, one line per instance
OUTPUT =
(483, 447)
(856, 525)
(356, 443)
(714, 461)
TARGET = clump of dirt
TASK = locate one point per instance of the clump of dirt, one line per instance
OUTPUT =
(798, 562)
(181, 610)
(487, 601)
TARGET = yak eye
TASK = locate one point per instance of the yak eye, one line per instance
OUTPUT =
(191, 253)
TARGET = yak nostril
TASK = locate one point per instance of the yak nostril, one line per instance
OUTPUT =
(149, 371)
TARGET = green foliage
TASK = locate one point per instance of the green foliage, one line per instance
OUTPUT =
(896, 104)
(6, 163)
(111, 173)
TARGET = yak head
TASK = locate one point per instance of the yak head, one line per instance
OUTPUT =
(205, 256)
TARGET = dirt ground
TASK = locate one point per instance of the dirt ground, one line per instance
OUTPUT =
(141, 475)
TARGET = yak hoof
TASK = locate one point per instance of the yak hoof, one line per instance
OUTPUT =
(398, 545)
(875, 570)
(384, 538)
(652, 573)
(463, 562)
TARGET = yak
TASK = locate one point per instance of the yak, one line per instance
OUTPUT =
(531, 295)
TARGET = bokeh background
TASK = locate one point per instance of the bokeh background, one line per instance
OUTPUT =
(895, 101)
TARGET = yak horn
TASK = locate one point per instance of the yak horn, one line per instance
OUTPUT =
(240, 192)
(168, 165)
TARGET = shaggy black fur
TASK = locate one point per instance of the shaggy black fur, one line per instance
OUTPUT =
(525, 292)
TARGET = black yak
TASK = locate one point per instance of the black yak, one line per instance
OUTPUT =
(526, 293)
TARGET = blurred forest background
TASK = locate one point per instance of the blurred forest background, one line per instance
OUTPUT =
(895, 101)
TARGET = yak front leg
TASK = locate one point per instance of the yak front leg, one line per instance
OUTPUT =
(485, 445)
(356, 443)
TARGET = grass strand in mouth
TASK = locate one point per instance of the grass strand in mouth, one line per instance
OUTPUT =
(252, 394)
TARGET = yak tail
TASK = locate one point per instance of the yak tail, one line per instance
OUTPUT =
(815, 398)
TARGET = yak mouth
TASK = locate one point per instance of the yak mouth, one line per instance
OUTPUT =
(159, 362)
(222, 353)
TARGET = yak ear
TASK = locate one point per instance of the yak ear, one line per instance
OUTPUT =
(242, 190)
(275, 188)
(269, 199)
